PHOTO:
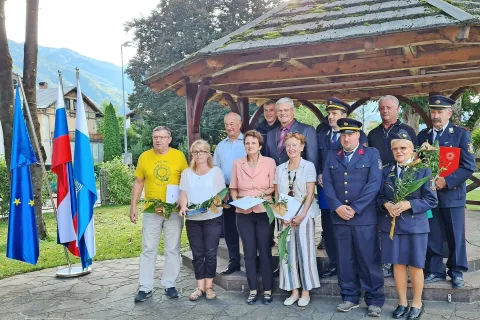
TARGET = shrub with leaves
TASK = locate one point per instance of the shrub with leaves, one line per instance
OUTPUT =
(119, 179)
(4, 187)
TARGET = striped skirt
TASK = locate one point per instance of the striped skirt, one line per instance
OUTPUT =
(300, 269)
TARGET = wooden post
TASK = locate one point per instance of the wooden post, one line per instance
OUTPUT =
(254, 119)
(418, 109)
(190, 94)
(244, 113)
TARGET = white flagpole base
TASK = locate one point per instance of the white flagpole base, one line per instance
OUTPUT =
(73, 272)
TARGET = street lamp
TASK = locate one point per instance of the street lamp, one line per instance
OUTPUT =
(126, 161)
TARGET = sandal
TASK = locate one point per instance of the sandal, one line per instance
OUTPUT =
(211, 294)
(194, 296)
(252, 298)
(267, 298)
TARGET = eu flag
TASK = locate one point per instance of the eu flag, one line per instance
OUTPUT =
(22, 241)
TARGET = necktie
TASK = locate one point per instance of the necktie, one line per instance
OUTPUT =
(438, 134)
(281, 139)
(346, 156)
(401, 172)
(334, 136)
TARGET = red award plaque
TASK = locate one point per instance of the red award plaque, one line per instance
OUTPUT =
(449, 159)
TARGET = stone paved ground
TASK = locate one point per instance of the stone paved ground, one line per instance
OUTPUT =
(107, 293)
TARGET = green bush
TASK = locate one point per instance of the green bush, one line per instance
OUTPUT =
(52, 179)
(119, 179)
(476, 139)
(4, 187)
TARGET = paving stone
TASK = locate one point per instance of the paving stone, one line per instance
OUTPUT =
(239, 310)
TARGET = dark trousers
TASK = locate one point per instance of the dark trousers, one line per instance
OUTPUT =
(329, 238)
(453, 221)
(359, 264)
(231, 236)
(204, 237)
(254, 230)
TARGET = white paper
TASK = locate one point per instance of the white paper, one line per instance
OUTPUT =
(173, 193)
(292, 207)
(247, 202)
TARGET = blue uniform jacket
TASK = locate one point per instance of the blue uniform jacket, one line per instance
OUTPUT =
(415, 219)
(355, 185)
(455, 193)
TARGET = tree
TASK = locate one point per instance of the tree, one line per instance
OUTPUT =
(112, 146)
(30, 86)
(174, 30)
(6, 87)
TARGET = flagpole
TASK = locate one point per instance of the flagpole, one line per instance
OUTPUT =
(42, 163)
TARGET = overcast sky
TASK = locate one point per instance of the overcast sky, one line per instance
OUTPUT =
(93, 28)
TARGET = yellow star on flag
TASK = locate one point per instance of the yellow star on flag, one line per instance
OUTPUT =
(17, 201)
(31, 203)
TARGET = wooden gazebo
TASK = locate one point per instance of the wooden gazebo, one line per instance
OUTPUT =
(353, 49)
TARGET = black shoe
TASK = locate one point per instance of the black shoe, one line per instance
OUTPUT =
(433, 278)
(457, 282)
(171, 293)
(267, 298)
(321, 245)
(142, 296)
(252, 298)
(415, 313)
(276, 273)
(230, 270)
(400, 312)
(328, 273)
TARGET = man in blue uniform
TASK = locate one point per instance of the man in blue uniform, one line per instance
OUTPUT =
(352, 177)
(451, 191)
(270, 122)
(381, 137)
(328, 138)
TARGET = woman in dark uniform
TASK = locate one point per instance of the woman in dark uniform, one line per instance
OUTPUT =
(409, 244)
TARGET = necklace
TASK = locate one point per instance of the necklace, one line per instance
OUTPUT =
(291, 182)
(387, 133)
(253, 164)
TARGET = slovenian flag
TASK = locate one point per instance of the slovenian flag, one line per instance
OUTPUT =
(67, 218)
(84, 176)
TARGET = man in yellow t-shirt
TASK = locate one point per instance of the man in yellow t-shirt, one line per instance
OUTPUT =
(156, 169)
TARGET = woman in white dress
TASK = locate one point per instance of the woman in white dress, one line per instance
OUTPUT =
(297, 178)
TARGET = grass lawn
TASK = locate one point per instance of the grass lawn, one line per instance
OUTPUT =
(115, 237)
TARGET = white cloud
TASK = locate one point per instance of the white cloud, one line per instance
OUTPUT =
(93, 28)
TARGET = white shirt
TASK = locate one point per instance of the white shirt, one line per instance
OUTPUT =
(443, 130)
(201, 188)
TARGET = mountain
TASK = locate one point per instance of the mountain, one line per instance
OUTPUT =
(101, 81)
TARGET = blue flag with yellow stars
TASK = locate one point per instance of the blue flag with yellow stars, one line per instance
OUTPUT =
(22, 241)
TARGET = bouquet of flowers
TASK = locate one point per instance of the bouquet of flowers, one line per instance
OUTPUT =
(272, 207)
(431, 158)
(406, 186)
(211, 204)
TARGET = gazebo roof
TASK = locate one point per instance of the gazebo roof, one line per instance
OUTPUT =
(351, 48)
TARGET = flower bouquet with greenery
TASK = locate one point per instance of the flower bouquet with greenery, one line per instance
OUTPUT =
(431, 159)
(272, 208)
(211, 204)
(406, 185)
(166, 209)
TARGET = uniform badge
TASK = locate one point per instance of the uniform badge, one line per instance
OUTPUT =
(365, 144)
(380, 166)
(437, 101)
(345, 123)
(470, 148)
(450, 130)
(430, 131)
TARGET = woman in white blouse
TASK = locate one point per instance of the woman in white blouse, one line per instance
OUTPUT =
(199, 183)
(297, 178)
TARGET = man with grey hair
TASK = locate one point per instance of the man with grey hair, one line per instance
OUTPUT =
(157, 170)
(381, 137)
(228, 150)
(275, 144)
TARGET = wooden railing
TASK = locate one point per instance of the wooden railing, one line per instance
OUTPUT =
(472, 186)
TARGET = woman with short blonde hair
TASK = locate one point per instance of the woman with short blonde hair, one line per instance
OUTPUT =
(199, 183)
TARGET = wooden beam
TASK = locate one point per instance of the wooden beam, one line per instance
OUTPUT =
(254, 119)
(418, 109)
(409, 52)
(310, 106)
(298, 64)
(414, 38)
(350, 67)
(359, 84)
(193, 133)
(460, 91)
(464, 34)
(358, 104)
(231, 103)
(244, 113)
(357, 94)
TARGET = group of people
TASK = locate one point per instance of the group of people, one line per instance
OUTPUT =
(355, 179)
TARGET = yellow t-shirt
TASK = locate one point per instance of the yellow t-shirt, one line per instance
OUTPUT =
(158, 171)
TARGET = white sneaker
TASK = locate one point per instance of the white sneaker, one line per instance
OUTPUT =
(303, 302)
(290, 300)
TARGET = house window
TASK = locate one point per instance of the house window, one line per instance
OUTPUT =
(75, 105)
(67, 103)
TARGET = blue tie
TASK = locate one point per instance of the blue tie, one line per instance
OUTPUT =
(334, 136)
(438, 134)
(346, 156)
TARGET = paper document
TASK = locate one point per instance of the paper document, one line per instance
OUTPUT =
(292, 207)
(173, 193)
(194, 212)
(246, 202)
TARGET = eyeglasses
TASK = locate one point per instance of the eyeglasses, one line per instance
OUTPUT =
(160, 138)
(199, 153)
